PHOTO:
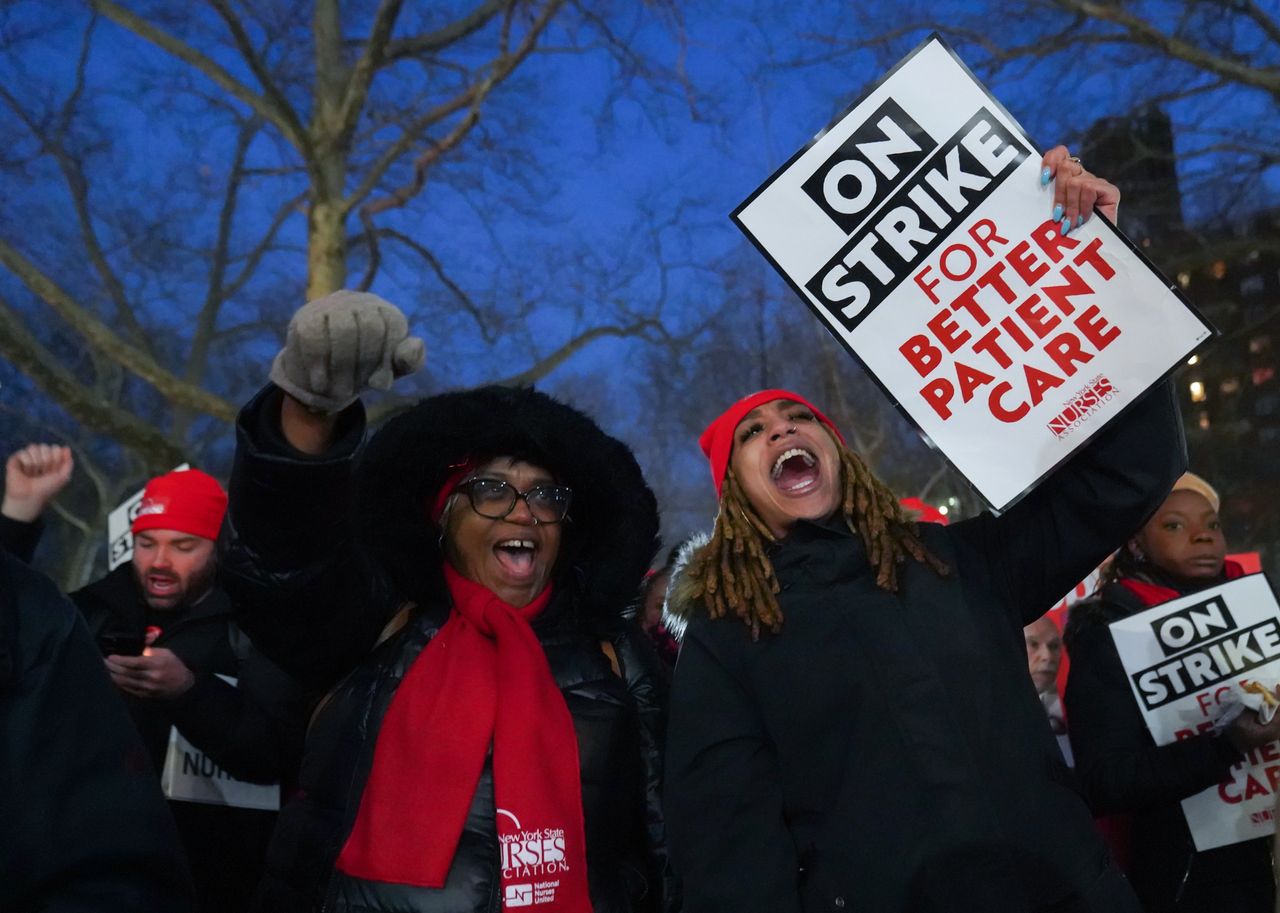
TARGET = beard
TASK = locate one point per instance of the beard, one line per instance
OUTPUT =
(188, 591)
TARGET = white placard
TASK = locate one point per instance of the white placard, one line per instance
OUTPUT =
(119, 539)
(190, 775)
(1181, 659)
(916, 228)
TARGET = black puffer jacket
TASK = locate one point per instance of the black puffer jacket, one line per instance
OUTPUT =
(320, 585)
(1124, 772)
(887, 751)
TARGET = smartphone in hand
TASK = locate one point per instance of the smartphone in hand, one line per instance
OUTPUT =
(119, 644)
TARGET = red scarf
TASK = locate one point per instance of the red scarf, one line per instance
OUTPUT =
(1153, 594)
(431, 750)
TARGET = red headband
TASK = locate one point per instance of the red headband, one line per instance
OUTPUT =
(717, 441)
(457, 472)
(187, 501)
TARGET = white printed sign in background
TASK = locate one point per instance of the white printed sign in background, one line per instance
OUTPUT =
(190, 775)
(916, 228)
(119, 539)
(1182, 658)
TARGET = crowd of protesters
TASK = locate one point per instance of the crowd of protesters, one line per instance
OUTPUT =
(424, 670)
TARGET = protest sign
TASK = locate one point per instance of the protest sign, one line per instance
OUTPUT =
(917, 229)
(119, 539)
(1182, 659)
(190, 775)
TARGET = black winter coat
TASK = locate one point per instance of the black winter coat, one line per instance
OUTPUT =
(253, 731)
(82, 823)
(1124, 772)
(887, 751)
(318, 597)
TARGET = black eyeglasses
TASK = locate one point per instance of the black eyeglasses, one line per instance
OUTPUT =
(495, 499)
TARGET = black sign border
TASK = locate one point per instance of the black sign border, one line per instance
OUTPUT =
(936, 38)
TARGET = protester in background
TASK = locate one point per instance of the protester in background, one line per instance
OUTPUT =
(653, 598)
(1044, 655)
(170, 644)
(1180, 550)
(82, 825)
(474, 600)
(852, 723)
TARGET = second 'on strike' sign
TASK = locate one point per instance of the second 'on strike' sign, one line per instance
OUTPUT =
(915, 227)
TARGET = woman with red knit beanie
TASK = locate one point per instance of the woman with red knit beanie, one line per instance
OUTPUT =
(1138, 784)
(489, 735)
(852, 724)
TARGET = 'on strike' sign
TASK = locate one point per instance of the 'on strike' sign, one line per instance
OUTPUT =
(1182, 658)
(916, 228)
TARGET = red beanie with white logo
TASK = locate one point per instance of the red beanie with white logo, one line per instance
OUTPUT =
(717, 441)
(186, 501)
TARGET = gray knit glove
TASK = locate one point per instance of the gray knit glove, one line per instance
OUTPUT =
(340, 345)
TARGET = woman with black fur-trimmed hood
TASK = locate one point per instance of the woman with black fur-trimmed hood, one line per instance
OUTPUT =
(491, 728)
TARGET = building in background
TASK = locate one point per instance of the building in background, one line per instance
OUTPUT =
(1230, 391)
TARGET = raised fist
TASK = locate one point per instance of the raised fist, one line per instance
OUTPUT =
(33, 476)
(342, 344)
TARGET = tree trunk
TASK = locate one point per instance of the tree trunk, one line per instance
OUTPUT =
(326, 248)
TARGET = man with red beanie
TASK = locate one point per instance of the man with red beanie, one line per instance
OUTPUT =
(208, 706)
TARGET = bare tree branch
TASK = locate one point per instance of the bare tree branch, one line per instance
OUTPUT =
(471, 98)
(472, 22)
(73, 175)
(1140, 31)
(1268, 23)
(102, 338)
(215, 293)
(284, 113)
(46, 370)
(254, 257)
(477, 314)
(266, 107)
(549, 363)
(357, 90)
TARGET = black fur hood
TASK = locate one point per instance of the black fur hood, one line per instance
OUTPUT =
(611, 535)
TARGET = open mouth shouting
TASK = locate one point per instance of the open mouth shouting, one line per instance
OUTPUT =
(787, 464)
(511, 554)
(796, 471)
(162, 586)
(516, 556)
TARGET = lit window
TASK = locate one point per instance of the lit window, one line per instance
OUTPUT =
(1229, 386)
(1193, 360)
(1197, 391)
(1184, 279)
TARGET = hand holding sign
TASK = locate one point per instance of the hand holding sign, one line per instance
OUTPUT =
(1248, 731)
(1076, 192)
(1006, 324)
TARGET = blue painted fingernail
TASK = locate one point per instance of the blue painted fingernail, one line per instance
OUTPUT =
(1066, 226)
(1057, 211)
(1079, 221)
(1044, 176)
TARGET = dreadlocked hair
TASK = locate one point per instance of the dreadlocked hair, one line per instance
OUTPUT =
(732, 573)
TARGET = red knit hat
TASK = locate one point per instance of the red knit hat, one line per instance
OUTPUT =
(717, 441)
(186, 501)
